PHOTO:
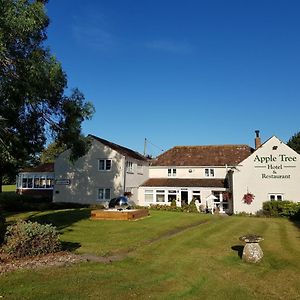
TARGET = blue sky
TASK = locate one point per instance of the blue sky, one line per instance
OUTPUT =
(182, 72)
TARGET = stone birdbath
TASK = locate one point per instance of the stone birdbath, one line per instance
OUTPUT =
(252, 252)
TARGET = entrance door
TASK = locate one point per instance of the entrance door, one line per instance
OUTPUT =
(184, 197)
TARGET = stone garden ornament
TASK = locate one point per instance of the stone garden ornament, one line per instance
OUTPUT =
(252, 252)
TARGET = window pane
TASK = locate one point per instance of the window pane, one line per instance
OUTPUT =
(24, 182)
(160, 198)
(279, 197)
(169, 172)
(101, 164)
(149, 191)
(206, 172)
(212, 172)
(100, 194)
(107, 194)
(36, 182)
(174, 172)
(43, 182)
(272, 197)
(171, 197)
(108, 164)
(30, 182)
(149, 197)
(172, 192)
(197, 197)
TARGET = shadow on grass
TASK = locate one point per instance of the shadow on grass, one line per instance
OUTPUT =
(62, 218)
(70, 246)
(239, 249)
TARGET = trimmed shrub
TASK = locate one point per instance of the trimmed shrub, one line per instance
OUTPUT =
(191, 208)
(30, 239)
(188, 208)
(281, 208)
(2, 228)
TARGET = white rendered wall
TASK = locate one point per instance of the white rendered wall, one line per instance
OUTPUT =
(257, 175)
(85, 178)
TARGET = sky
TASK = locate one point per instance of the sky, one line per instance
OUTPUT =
(194, 72)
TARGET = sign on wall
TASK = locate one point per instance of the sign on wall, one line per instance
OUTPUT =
(275, 166)
(62, 181)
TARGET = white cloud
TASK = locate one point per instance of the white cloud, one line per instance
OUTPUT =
(91, 29)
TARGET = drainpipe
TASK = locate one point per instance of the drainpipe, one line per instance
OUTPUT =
(124, 175)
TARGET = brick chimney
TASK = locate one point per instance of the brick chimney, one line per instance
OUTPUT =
(257, 139)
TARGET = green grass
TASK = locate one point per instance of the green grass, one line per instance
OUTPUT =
(9, 188)
(166, 258)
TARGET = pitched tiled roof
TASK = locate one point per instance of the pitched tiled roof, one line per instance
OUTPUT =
(47, 167)
(122, 150)
(178, 182)
(219, 155)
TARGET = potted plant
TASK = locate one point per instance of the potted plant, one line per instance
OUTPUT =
(248, 198)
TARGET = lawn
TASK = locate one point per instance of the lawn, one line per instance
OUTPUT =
(9, 188)
(166, 256)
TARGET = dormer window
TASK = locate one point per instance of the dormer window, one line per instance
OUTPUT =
(171, 172)
(209, 172)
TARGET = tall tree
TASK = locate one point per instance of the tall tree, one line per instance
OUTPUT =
(294, 142)
(49, 154)
(33, 105)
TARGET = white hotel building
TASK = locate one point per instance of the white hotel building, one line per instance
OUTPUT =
(223, 176)
(220, 177)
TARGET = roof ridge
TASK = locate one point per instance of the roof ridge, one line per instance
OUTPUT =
(119, 147)
(221, 145)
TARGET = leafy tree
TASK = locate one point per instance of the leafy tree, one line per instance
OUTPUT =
(49, 154)
(294, 142)
(33, 105)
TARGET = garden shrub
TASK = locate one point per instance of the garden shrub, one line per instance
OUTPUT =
(30, 239)
(188, 208)
(281, 208)
(2, 228)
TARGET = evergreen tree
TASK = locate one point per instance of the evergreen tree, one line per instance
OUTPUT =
(294, 142)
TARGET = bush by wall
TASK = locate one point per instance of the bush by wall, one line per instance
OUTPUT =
(281, 209)
(189, 208)
(30, 239)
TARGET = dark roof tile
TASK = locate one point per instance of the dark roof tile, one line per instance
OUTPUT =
(179, 182)
(219, 155)
(122, 150)
(47, 167)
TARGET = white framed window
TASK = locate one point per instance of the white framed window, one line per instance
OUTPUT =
(129, 166)
(30, 183)
(172, 195)
(196, 195)
(140, 169)
(160, 196)
(103, 194)
(275, 197)
(104, 164)
(171, 172)
(209, 172)
(148, 195)
(35, 181)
